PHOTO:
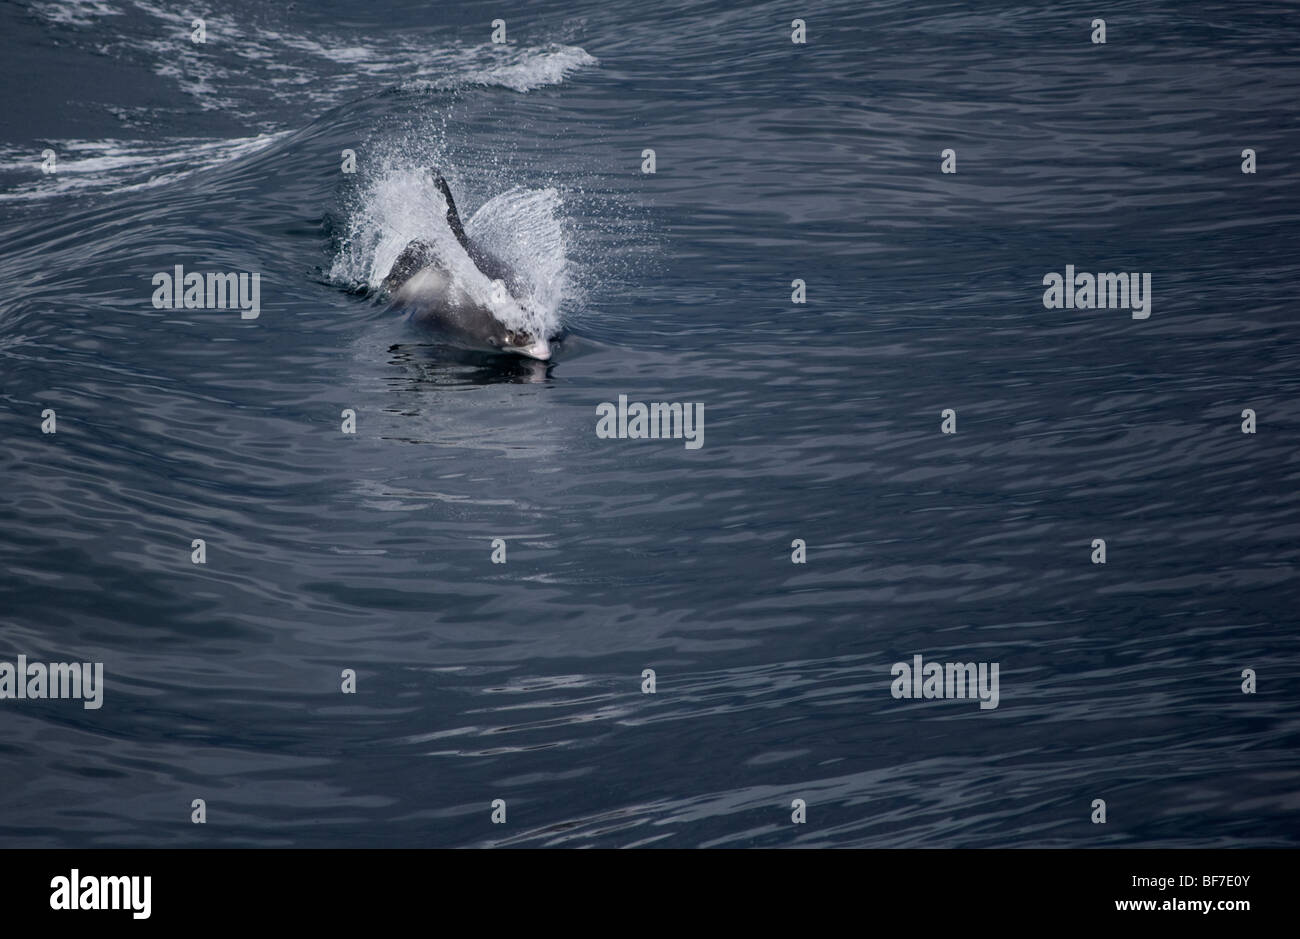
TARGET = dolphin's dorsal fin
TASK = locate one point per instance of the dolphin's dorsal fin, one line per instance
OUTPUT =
(453, 217)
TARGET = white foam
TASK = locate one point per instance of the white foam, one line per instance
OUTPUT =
(516, 69)
(75, 12)
(532, 68)
(243, 60)
(119, 165)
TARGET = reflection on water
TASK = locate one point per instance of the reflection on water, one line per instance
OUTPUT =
(442, 364)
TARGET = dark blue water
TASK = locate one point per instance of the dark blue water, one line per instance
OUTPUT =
(522, 681)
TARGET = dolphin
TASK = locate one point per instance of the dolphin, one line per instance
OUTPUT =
(425, 284)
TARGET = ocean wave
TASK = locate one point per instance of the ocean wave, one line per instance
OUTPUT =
(86, 167)
(245, 59)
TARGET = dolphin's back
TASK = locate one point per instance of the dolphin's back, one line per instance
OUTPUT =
(415, 257)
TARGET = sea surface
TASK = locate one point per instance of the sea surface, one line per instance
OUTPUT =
(522, 681)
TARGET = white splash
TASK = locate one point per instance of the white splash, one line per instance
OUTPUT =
(521, 226)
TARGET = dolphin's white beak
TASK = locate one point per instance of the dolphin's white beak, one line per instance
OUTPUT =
(541, 349)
